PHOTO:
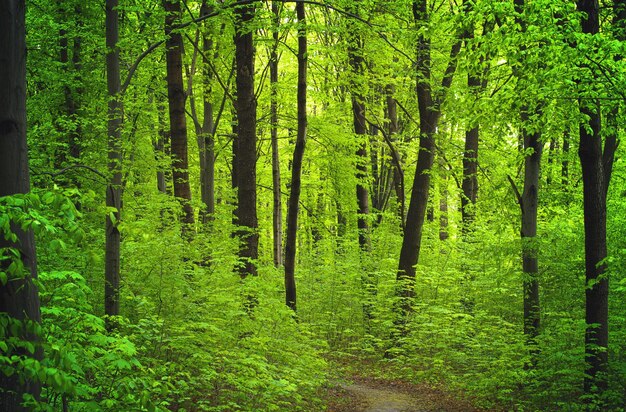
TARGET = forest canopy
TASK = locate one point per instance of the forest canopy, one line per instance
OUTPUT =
(217, 205)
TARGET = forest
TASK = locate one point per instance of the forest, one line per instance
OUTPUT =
(230, 205)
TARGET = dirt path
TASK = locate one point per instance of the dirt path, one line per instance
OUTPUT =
(370, 395)
(382, 400)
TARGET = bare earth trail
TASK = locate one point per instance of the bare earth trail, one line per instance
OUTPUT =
(371, 395)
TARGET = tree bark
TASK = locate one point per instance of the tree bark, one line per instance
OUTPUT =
(19, 298)
(114, 144)
(277, 216)
(296, 167)
(355, 57)
(205, 130)
(529, 206)
(245, 145)
(178, 123)
(429, 114)
(528, 202)
(595, 184)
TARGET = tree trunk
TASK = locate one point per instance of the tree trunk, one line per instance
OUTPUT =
(398, 174)
(178, 122)
(277, 216)
(418, 203)
(114, 144)
(355, 56)
(595, 184)
(19, 299)
(296, 168)
(71, 128)
(429, 114)
(162, 151)
(477, 83)
(528, 202)
(529, 206)
(246, 142)
(205, 131)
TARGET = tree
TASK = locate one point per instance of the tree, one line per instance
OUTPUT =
(178, 123)
(114, 146)
(296, 166)
(528, 200)
(596, 163)
(277, 215)
(357, 66)
(19, 297)
(245, 140)
(429, 106)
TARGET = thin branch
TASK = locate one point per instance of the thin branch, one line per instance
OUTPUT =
(135, 65)
(515, 190)
(78, 166)
(212, 67)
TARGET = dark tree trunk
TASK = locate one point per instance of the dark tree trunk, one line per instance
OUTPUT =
(429, 114)
(19, 299)
(114, 144)
(398, 174)
(477, 83)
(529, 205)
(178, 123)
(595, 184)
(296, 167)
(246, 141)
(355, 56)
(277, 216)
(528, 202)
(470, 179)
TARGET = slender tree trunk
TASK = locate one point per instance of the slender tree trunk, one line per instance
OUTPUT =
(398, 175)
(355, 56)
(528, 202)
(178, 122)
(246, 141)
(162, 147)
(529, 206)
(477, 83)
(296, 168)
(429, 114)
(277, 216)
(470, 172)
(596, 168)
(114, 144)
(19, 298)
(206, 142)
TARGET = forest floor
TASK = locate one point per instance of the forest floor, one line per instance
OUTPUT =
(356, 392)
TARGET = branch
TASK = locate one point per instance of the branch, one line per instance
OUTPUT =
(445, 159)
(311, 2)
(211, 66)
(79, 166)
(515, 190)
(133, 68)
